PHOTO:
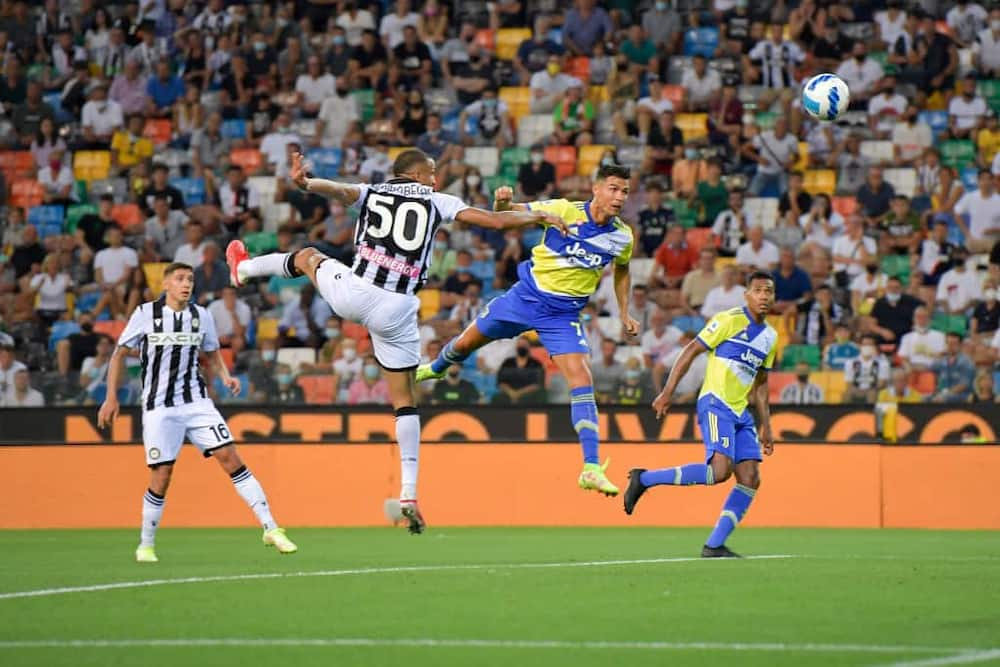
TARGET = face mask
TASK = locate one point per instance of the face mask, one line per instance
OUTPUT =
(86, 327)
(868, 351)
(537, 158)
(268, 355)
(920, 329)
(607, 161)
(490, 103)
(371, 372)
(586, 317)
(690, 154)
(552, 69)
(632, 374)
(284, 378)
(440, 246)
(893, 298)
(661, 6)
(350, 354)
(260, 46)
(332, 332)
(343, 92)
(803, 377)
(990, 294)
(433, 133)
(871, 269)
(55, 165)
(339, 40)
(522, 351)
(860, 58)
(472, 180)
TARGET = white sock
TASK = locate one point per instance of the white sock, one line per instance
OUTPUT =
(253, 494)
(408, 437)
(266, 265)
(152, 512)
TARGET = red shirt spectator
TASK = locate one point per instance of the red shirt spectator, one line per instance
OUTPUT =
(673, 259)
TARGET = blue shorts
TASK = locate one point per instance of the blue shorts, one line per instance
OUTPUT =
(522, 309)
(726, 434)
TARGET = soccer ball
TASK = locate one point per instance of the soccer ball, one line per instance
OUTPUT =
(825, 97)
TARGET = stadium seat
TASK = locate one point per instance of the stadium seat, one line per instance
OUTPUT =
(354, 330)
(116, 187)
(395, 151)
(924, 382)
(794, 354)
(676, 94)
(534, 128)
(48, 220)
(126, 215)
(578, 67)
(158, 130)
(318, 389)
(989, 89)
(511, 160)
(937, 120)
(26, 193)
(845, 206)
(639, 269)
(765, 119)
(484, 158)
(91, 165)
(518, 100)
(62, 329)
(946, 323)
(508, 40)
(762, 211)
(878, 151)
(305, 128)
(564, 159)
(267, 328)
(249, 159)
(589, 157)
(897, 266)
(75, 212)
(632, 156)
(776, 382)
(487, 39)
(692, 125)
(365, 99)
(803, 162)
(234, 128)
(154, 276)
(228, 358)
(542, 356)
(958, 154)
(832, 383)
(193, 190)
(16, 164)
(598, 95)
(430, 303)
(903, 180)
(698, 238)
(296, 357)
(111, 328)
(816, 181)
(701, 41)
(685, 214)
(326, 162)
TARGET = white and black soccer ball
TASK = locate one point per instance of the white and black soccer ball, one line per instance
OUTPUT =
(825, 97)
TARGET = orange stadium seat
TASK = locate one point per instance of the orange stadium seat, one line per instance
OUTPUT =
(354, 330)
(16, 163)
(579, 67)
(676, 94)
(228, 358)
(111, 328)
(845, 206)
(318, 389)
(487, 39)
(776, 382)
(126, 215)
(924, 381)
(564, 159)
(430, 303)
(26, 193)
(698, 238)
(249, 159)
(158, 130)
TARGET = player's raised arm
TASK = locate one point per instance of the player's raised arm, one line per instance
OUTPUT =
(510, 219)
(761, 398)
(345, 193)
(661, 404)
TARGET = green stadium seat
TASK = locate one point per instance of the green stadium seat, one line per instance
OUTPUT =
(946, 323)
(366, 103)
(515, 157)
(75, 212)
(990, 90)
(687, 216)
(958, 154)
(765, 119)
(897, 266)
(795, 354)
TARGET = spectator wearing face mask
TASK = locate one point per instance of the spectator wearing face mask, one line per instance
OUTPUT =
(634, 388)
(959, 287)
(370, 388)
(536, 179)
(955, 373)
(287, 392)
(491, 119)
(521, 378)
(922, 346)
(454, 390)
(336, 113)
(866, 375)
(841, 351)
(802, 391)
(986, 316)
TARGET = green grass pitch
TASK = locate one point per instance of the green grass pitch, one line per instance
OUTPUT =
(470, 596)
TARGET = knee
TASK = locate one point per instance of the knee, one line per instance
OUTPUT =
(748, 478)
(307, 259)
(721, 471)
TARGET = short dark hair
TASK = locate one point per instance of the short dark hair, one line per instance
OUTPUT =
(177, 266)
(409, 159)
(613, 170)
(759, 275)
(160, 166)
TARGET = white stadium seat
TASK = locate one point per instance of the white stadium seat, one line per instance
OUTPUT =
(484, 158)
(295, 357)
(534, 128)
(639, 269)
(903, 180)
(879, 151)
(761, 211)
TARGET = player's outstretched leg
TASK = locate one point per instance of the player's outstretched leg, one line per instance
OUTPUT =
(286, 264)
(153, 501)
(640, 479)
(253, 495)
(733, 511)
(455, 351)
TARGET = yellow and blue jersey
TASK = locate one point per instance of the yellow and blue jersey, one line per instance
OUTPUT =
(570, 267)
(738, 348)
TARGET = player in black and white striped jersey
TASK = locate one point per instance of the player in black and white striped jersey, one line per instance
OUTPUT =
(394, 237)
(169, 335)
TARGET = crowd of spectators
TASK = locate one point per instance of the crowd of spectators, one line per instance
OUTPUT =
(135, 133)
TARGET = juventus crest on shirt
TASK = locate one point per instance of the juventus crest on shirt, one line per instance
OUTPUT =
(169, 342)
(395, 232)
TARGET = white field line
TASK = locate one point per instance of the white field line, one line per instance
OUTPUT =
(490, 644)
(94, 588)
(964, 658)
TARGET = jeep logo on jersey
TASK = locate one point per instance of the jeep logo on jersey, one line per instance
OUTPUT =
(751, 359)
(178, 338)
(583, 256)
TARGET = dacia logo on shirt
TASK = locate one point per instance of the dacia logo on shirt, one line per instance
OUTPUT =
(583, 256)
(751, 359)
(178, 338)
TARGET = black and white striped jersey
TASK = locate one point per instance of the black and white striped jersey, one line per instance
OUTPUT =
(395, 232)
(168, 344)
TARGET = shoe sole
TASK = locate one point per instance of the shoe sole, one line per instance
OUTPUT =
(283, 553)
(417, 524)
(236, 252)
(633, 478)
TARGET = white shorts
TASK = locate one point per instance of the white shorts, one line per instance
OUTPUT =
(164, 430)
(392, 319)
